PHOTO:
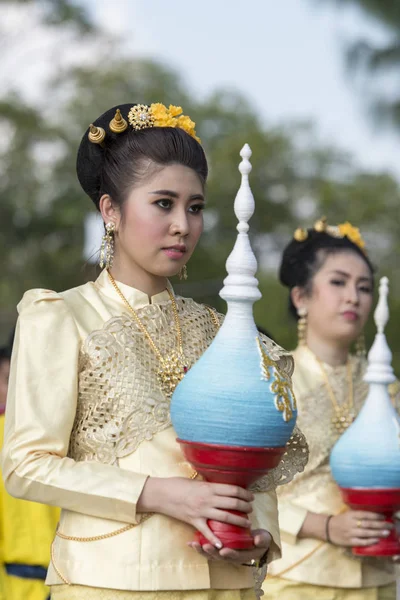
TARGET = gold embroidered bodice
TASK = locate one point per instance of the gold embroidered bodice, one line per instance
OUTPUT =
(120, 403)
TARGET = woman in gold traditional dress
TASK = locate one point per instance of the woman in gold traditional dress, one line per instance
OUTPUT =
(92, 374)
(330, 279)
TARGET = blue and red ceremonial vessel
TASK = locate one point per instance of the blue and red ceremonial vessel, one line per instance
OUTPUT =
(365, 461)
(235, 411)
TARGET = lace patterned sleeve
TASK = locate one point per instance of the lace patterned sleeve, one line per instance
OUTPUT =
(293, 461)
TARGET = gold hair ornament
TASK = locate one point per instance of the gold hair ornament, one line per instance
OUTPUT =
(321, 225)
(118, 123)
(96, 134)
(338, 231)
(142, 116)
(300, 235)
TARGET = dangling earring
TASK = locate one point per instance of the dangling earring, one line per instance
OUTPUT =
(302, 326)
(107, 246)
(183, 273)
(360, 346)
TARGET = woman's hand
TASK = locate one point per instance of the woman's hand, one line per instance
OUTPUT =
(194, 502)
(262, 541)
(358, 528)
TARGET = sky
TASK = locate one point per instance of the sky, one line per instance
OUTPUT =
(286, 56)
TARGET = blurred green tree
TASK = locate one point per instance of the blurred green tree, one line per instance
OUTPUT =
(381, 60)
(294, 181)
(58, 12)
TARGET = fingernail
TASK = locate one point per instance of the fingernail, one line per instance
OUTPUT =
(386, 532)
(218, 545)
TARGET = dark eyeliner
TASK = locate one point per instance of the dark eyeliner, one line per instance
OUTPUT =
(198, 207)
(168, 200)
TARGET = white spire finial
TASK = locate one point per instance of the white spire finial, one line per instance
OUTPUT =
(381, 314)
(244, 201)
(379, 368)
(241, 284)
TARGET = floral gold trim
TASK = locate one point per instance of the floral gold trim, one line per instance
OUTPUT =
(281, 385)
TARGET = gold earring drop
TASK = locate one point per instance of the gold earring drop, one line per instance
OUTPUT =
(107, 247)
(183, 273)
(360, 346)
(302, 326)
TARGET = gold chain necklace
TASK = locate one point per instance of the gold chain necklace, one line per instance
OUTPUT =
(173, 366)
(344, 413)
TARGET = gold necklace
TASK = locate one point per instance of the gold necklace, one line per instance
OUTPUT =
(344, 413)
(173, 366)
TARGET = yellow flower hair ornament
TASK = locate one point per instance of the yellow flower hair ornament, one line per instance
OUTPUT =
(353, 234)
(339, 231)
(142, 116)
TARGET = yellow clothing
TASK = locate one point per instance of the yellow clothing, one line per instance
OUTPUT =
(26, 589)
(282, 589)
(78, 592)
(87, 423)
(314, 490)
(4, 584)
(26, 531)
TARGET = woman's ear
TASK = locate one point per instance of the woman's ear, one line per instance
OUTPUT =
(298, 297)
(109, 211)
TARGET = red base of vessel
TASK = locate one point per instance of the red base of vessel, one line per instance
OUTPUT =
(232, 465)
(383, 501)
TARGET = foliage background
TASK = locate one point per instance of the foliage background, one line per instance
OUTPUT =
(294, 179)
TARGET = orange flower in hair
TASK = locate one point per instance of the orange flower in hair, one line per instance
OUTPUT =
(158, 115)
(352, 233)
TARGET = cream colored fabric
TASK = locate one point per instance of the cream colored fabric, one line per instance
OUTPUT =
(86, 425)
(314, 490)
(282, 589)
(78, 592)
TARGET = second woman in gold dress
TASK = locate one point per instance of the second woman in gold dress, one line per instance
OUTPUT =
(330, 279)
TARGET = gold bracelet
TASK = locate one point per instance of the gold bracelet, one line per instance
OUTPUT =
(328, 537)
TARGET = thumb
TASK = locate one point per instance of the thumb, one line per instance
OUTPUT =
(262, 538)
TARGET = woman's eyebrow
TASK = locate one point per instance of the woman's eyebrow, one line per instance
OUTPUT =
(338, 272)
(165, 193)
(347, 275)
(172, 194)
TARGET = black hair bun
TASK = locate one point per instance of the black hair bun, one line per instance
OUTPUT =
(293, 270)
(299, 258)
(90, 159)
